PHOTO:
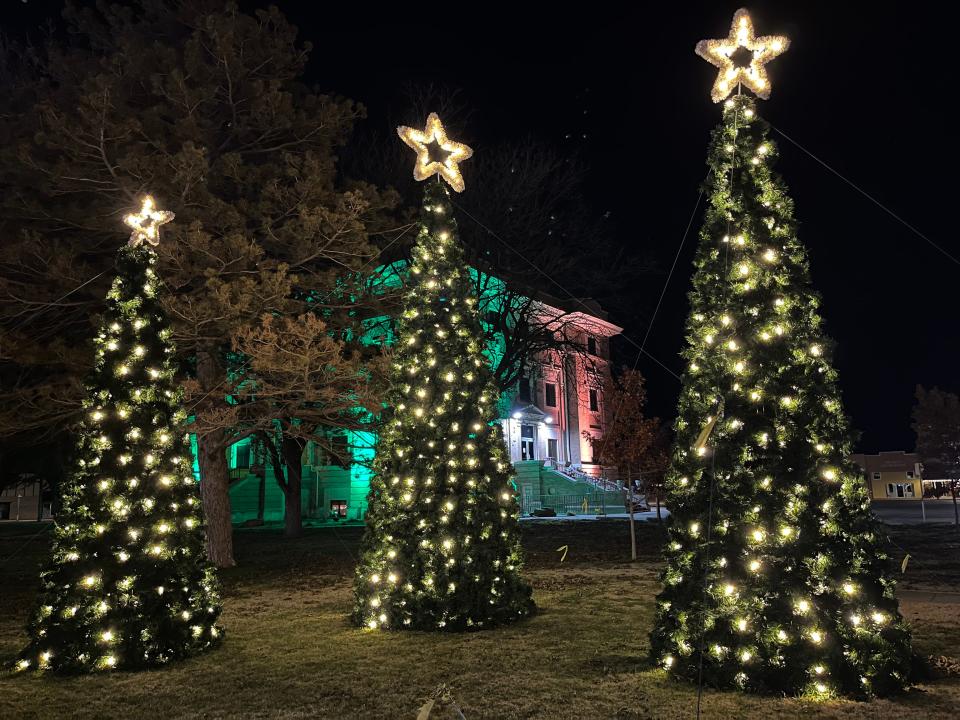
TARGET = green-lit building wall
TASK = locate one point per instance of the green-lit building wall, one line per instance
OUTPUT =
(331, 489)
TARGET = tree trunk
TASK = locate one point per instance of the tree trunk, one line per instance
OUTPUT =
(657, 493)
(215, 496)
(292, 448)
(259, 462)
(633, 532)
(262, 496)
(214, 476)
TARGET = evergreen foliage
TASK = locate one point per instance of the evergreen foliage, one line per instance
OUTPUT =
(442, 546)
(198, 101)
(777, 575)
(128, 584)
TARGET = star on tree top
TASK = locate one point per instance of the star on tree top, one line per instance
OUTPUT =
(146, 223)
(436, 153)
(742, 57)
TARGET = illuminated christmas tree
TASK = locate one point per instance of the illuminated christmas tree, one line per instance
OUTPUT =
(777, 577)
(128, 584)
(442, 546)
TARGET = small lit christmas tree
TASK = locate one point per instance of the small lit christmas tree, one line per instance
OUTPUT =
(442, 546)
(128, 584)
(777, 578)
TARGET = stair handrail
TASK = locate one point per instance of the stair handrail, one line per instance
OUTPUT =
(580, 476)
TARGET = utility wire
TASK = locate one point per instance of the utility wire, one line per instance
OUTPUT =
(47, 306)
(641, 348)
(579, 301)
(867, 195)
(44, 528)
(673, 267)
(653, 317)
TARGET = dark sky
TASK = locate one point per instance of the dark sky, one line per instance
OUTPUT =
(865, 86)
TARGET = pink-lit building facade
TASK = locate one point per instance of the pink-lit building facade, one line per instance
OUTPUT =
(558, 398)
(560, 393)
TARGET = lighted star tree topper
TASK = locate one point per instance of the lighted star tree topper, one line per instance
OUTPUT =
(145, 225)
(128, 584)
(441, 549)
(777, 578)
(742, 58)
(437, 154)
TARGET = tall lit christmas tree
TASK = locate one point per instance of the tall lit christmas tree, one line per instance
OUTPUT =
(777, 578)
(128, 584)
(442, 546)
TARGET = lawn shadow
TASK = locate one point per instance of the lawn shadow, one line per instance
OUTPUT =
(613, 664)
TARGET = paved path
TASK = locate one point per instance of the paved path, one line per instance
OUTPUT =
(929, 596)
(910, 512)
(892, 512)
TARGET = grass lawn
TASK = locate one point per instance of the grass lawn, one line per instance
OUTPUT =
(290, 653)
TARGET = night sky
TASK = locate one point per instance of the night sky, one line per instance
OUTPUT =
(865, 88)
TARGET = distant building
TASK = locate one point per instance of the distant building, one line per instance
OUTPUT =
(558, 397)
(894, 475)
(25, 501)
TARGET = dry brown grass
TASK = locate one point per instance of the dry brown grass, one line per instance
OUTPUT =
(290, 652)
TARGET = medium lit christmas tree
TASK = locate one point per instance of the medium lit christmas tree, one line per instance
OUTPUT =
(442, 545)
(777, 578)
(128, 584)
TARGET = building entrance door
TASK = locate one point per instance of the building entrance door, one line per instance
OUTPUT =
(900, 490)
(527, 443)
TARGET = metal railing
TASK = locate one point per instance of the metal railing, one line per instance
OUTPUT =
(580, 476)
(602, 484)
(598, 503)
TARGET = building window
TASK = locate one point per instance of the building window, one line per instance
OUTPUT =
(936, 488)
(594, 401)
(591, 345)
(4, 511)
(891, 490)
(552, 449)
(339, 451)
(876, 476)
(550, 393)
(523, 392)
(910, 474)
(338, 508)
(243, 455)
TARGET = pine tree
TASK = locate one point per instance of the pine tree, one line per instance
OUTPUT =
(442, 546)
(777, 575)
(128, 584)
(204, 102)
